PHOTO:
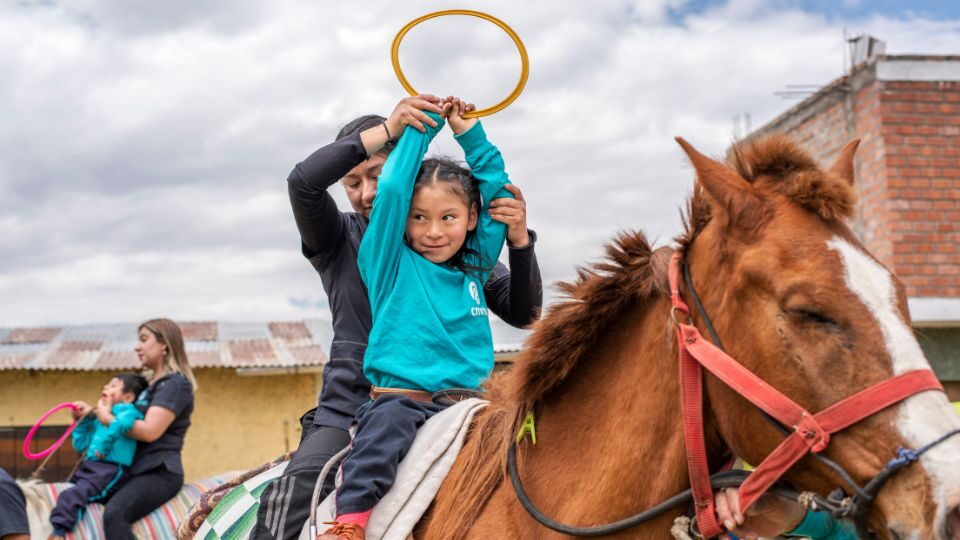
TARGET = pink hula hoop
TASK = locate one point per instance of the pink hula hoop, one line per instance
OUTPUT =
(33, 431)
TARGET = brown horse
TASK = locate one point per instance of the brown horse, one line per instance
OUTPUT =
(795, 298)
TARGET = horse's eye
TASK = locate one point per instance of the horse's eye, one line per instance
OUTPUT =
(811, 316)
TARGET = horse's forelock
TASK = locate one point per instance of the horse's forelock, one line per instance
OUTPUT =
(779, 162)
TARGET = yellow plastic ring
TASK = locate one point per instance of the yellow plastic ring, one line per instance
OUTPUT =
(525, 62)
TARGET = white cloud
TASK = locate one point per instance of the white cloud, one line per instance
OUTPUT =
(144, 149)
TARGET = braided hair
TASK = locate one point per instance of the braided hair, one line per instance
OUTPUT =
(460, 181)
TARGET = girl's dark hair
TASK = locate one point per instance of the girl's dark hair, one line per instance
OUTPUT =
(132, 383)
(458, 179)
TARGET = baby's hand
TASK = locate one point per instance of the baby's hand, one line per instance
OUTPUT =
(82, 409)
(455, 109)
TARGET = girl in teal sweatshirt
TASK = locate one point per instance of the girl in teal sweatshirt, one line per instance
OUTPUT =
(424, 259)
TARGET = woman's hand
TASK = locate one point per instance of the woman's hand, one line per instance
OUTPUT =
(82, 410)
(512, 212)
(410, 112)
(455, 118)
(769, 516)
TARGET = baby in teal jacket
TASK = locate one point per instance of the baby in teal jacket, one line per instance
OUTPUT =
(107, 453)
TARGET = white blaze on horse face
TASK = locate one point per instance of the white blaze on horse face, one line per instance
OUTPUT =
(922, 417)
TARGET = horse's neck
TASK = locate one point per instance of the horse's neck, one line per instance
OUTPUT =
(614, 430)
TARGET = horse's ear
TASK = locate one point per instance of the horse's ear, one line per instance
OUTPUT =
(740, 202)
(843, 165)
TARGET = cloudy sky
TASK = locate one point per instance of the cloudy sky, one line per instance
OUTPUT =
(144, 146)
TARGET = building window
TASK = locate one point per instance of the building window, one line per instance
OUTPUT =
(57, 468)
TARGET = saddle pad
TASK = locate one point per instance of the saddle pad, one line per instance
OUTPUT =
(234, 516)
(419, 475)
(161, 524)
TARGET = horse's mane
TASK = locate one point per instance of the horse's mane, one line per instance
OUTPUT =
(630, 275)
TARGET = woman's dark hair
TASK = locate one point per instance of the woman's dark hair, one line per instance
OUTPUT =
(459, 180)
(132, 383)
(365, 122)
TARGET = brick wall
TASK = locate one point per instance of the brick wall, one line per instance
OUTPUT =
(908, 169)
(921, 132)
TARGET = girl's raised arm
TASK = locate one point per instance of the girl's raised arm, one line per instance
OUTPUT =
(383, 241)
(486, 164)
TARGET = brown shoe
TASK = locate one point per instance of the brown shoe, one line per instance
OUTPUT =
(342, 531)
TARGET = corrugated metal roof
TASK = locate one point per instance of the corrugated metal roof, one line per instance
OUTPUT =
(109, 347)
(275, 344)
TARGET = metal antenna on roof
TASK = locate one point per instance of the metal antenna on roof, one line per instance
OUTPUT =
(742, 125)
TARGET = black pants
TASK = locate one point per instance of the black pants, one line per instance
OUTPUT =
(13, 507)
(93, 481)
(141, 495)
(285, 504)
(386, 429)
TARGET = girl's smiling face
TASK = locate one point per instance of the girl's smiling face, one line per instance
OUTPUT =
(439, 221)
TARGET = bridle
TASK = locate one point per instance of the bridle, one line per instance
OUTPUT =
(805, 432)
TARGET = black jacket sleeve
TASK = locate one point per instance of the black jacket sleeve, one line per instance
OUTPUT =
(516, 295)
(321, 225)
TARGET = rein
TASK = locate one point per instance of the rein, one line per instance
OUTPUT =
(808, 433)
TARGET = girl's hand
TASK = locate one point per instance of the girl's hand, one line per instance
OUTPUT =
(768, 517)
(409, 112)
(82, 410)
(512, 212)
(458, 108)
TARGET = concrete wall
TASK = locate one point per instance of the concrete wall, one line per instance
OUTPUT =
(238, 421)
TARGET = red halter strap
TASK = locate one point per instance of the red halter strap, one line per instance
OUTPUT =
(811, 431)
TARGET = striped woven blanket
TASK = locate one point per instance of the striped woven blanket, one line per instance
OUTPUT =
(230, 511)
(161, 524)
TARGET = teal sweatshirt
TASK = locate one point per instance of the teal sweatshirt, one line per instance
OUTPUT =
(108, 443)
(430, 325)
(822, 526)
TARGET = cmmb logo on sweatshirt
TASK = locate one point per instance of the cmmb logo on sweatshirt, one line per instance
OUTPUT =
(478, 310)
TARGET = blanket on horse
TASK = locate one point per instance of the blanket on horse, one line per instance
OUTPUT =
(230, 511)
(419, 475)
(161, 524)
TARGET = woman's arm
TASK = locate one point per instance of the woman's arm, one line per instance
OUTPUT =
(383, 241)
(516, 294)
(314, 210)
(153, 425)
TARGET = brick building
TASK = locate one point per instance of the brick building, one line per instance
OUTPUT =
(906, 111)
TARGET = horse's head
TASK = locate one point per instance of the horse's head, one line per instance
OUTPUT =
(800, 302)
